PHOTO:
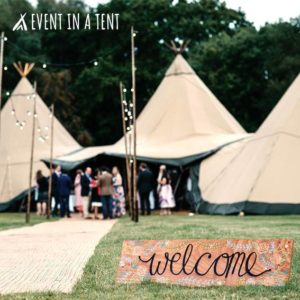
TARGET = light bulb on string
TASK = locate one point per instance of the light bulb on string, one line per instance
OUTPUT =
(39, 129)
(124, 102)
(23, 123)
(126, 110)
(128, 128)
(131, 104)
(46, 137)
(96, 63)
(46, 128)
(28, 113)
(126, 119)
(7, 93)
(131, 161)
(17, 123)
(21, 127)
(5, 39)
(13, 112)
(130, 117)
(134, 34)
(50, 115)
(129, 113)
(28, 97)
(44, 66)
(35, 115)
(124, 90)
(41, 139)
(5, 68)
(132, 90)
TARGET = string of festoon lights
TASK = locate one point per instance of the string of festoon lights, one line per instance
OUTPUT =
(41, 130)
(95, 62)
(128, 110)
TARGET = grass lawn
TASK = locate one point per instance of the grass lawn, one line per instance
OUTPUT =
(98, 281)
(14, 220)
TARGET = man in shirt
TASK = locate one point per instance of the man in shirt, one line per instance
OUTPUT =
(85, 182)
(55, 189)
(145, 186)
(106, 187)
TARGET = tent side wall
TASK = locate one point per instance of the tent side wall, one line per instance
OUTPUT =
(247, 206)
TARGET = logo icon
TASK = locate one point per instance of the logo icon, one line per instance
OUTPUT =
(21, 24)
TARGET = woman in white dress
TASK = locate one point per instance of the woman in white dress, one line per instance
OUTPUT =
(77, 188)
(166, 196)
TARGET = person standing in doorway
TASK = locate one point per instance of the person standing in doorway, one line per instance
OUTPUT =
(55, 189)
(65, 187)
(85, 182)
(145, 186)
(166, 197)
(106, 187)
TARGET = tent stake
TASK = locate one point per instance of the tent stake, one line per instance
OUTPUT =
(126, 150)
(51, 163)
(31, 156)
(136, 207)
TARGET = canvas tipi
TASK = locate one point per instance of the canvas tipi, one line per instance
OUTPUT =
(182, 121)
(17, 119)
(261, 174)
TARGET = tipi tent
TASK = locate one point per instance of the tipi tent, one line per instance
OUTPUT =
(15, 147)
(261, 174)
(182, 121)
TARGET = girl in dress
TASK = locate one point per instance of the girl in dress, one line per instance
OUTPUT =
(166, 197)
(77, 187)
(119, 196)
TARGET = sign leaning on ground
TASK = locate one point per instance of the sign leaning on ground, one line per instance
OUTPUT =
(206, 262)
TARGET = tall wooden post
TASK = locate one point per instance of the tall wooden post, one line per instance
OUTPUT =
(51, 162)
(130, 138)
(128, 170)
(1, 75)
(31, 156)
(136, 207)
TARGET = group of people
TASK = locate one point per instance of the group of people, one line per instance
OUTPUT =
(103, 188)
(61, 191)
(164, 189)
(91, 192)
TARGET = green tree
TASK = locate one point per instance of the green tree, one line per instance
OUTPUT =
(250, 70)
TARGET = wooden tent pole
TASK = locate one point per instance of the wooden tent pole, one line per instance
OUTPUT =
(31, 156)
(136, 207)
(131, 162)
(126, 148)
(1, 75)
(51, 163)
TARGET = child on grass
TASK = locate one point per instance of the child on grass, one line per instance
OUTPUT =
(166, 197)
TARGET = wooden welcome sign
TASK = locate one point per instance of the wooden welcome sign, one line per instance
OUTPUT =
(206, 262)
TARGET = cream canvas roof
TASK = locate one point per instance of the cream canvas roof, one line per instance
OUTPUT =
(265, 167)
(181, 119)
(16, 143)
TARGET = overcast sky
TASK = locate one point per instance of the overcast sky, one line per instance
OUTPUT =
(257, 11)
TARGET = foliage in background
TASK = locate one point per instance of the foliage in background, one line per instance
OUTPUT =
(248, 70)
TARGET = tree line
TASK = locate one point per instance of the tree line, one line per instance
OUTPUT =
(248, 69)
